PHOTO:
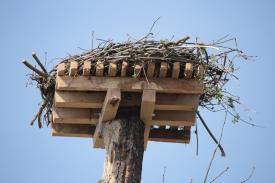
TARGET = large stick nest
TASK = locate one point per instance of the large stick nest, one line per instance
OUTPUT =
(217, 59)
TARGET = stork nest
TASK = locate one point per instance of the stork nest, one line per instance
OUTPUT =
(217, 58)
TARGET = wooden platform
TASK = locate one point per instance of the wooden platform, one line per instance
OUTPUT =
(167, 98)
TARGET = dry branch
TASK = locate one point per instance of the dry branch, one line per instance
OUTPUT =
(27, 64)
(211, 134)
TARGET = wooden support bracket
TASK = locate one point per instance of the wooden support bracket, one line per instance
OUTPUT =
(108, 112)
(146, 111)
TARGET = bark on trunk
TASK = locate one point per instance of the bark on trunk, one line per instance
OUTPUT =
(123, 139)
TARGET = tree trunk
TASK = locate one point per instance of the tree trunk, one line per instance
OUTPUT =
(124, 144)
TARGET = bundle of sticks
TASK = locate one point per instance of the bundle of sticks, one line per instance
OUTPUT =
(216, 58)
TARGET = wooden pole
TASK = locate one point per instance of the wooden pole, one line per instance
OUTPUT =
(123, 140)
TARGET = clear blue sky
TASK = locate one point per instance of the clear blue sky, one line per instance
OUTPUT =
(31, 155)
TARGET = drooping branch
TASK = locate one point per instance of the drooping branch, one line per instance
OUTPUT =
(211, 134)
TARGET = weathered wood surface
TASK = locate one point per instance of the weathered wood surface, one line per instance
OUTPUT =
(164, 85)
(87, 68)
(179, 102)
(123, 139)
(108, 112)
(61, 69)
(91, 116)
(156, 134)
(73, 68)
(146, 111)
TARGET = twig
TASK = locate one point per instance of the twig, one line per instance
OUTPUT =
(38, 61)
(249, 177)
(93, 32)
(27, 64)
(215, 150)
(150, 30)
(163, 174)
(220, 174)
(197, 138)
(211, 134)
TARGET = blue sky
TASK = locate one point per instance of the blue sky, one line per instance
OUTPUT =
(31, 155)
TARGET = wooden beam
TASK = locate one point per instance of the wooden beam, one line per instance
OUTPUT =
(170, 135)
(177, 102)
(72, 130)
(99, 69)
(150, 70)
(164, 85)
(137, 71)
(147, 105)
(188, 70)
(108, 112)
(75, 116)
(79, 99)
(112, 69)
(163, 70)
(156, 134)
(94, 100)
(73, 68)
(91, 116)
(146, 111)
(124, 68)
(61, 68)
(174, 118)
(176, 70)
(86, 68)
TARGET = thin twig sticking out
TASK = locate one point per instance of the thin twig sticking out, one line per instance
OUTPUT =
(220, 174)
(197, 138)
(215, 150)
(248, 178)
(163, 175)
(211, 134)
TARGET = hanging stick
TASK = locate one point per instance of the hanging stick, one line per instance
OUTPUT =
(211, 134)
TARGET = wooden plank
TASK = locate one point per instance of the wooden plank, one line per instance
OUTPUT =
(112, 69)
(164, 85)
(150, 70)
(75, 116)
(61, 68)
(79, 99)
(146, 111)
(159, 135)
(200, 72)
(86, 68)
(174, 118)
(124, 68)
(188, 70)
(176, 70)
(91, 116)
(92, 100)
(177, 102)
(169, 135)
(163, 70)
(137, 71)
(73, 68)
(147, 106)
(99, 69)
(95, 100)
(72, 130)
(108, 112)
(147, 129)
